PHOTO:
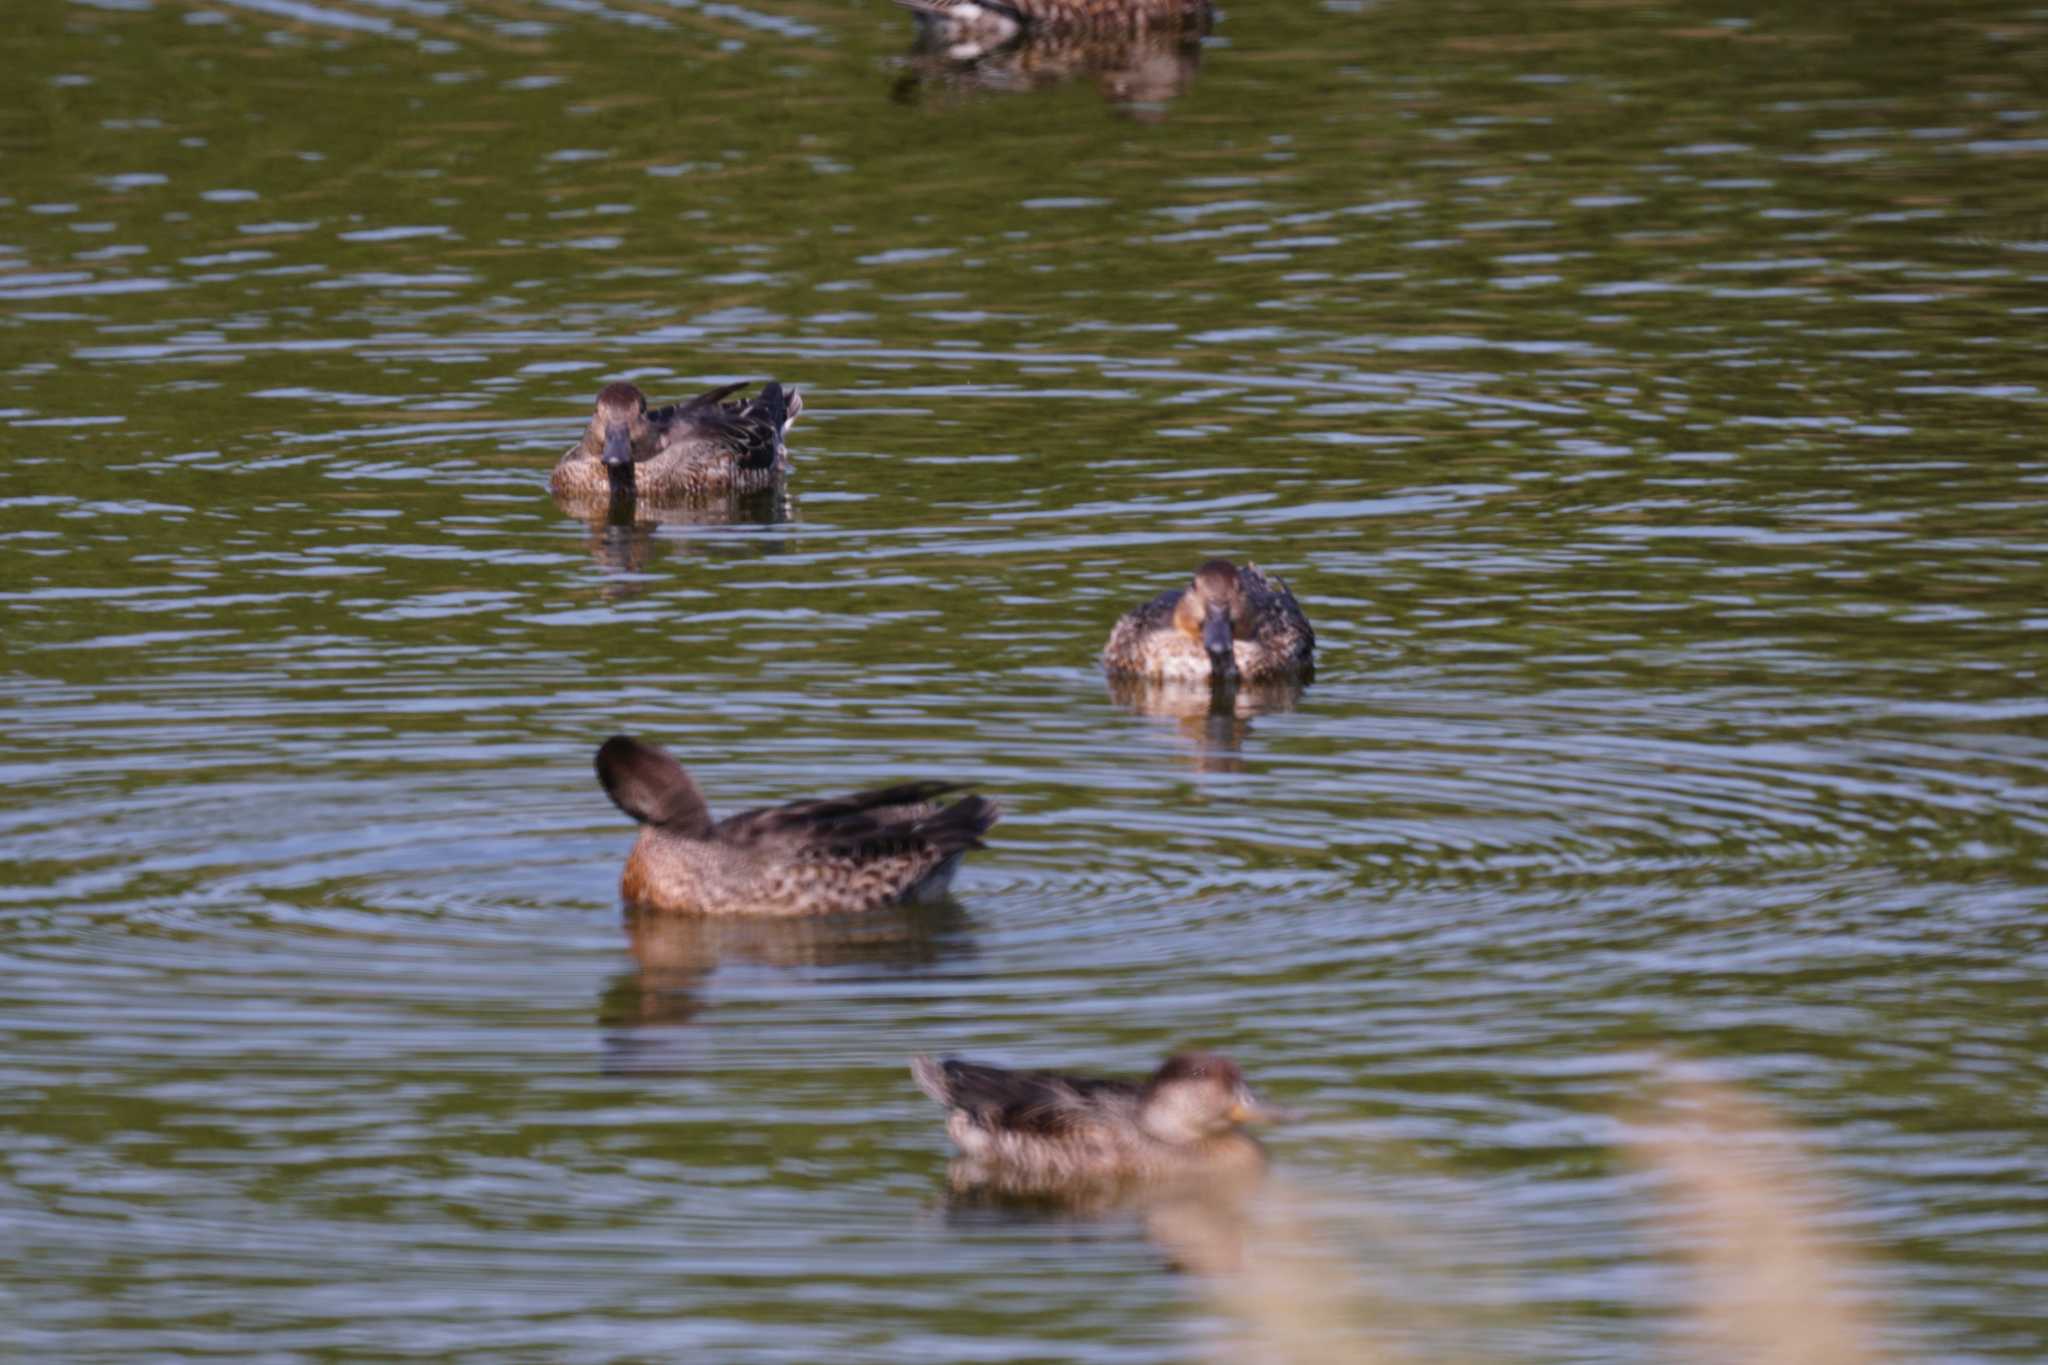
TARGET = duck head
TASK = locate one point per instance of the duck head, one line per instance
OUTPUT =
(620, 434)
(1194, 1095)
(1211, 612)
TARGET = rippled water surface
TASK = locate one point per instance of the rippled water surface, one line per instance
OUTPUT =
(1645, 401)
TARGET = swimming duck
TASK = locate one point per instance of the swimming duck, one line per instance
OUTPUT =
(1228, 624)
(706, 446)
(858, 852)
(1045, 1128)
(982, 25)
(1139, 73)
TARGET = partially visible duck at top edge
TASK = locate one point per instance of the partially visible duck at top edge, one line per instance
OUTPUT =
(1140, 73)
(889, 846)
(713, 444)
(1228, 624)
(986, 24)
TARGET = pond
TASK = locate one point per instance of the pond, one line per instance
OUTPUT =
(1645, 401)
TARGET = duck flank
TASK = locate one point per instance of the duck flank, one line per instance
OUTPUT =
(850, 853)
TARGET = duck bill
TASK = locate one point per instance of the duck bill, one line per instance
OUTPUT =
(618, 446)
(1249, 1108)
(1217, 642)
(618, 463)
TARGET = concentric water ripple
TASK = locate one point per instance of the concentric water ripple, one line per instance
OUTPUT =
(1643, 403)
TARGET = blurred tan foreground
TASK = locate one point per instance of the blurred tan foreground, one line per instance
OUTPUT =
(1733, 1199)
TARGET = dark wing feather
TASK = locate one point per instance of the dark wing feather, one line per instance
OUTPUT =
(1282, 601)
(952, 829)
(749, 427)
(711, 398)
(834, 816)
(888, 833)
(1042, 1102)
(867, 826)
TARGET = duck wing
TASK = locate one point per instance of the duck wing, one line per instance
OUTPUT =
(1273, 600)
(866, 826)
(749, 427)
(1040, 1102)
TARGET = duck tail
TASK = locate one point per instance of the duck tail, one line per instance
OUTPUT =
(780, 406)
(931, 1078)
(960, 826)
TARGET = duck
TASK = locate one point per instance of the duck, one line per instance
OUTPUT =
(714, 444)
(980, 26)
(1228, 625)
(1027, 1129)
(890, 846)
(1139, 74)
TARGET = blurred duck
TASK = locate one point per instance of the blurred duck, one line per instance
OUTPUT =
(1041, 1128)
(713, 444)
(982, 25)
(1228, 624)
(858, 852)
(1139, 72)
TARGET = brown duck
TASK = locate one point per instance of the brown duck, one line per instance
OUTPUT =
(1046, 1128)
(1228, 624)
(712, 445)
(858, 852)
(986, 24)
(1139, 73)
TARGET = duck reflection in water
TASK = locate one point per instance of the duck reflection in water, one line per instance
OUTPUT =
(1141, 53)
(626, 537)
(1215, 718)
(1170, 1148)
(644, 1010)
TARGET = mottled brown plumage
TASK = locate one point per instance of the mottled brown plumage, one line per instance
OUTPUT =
(1139, 71)
(710, 446)
(1049, 1129)
(1228, 624)
(858, 852)
(987, 24)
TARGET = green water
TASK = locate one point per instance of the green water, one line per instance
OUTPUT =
(1644, 401)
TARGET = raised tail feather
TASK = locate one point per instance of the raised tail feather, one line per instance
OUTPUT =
(931, 1078)
(960, 826)
(972, 1085)
(711, 398)
(774, 405)
(754, 427)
